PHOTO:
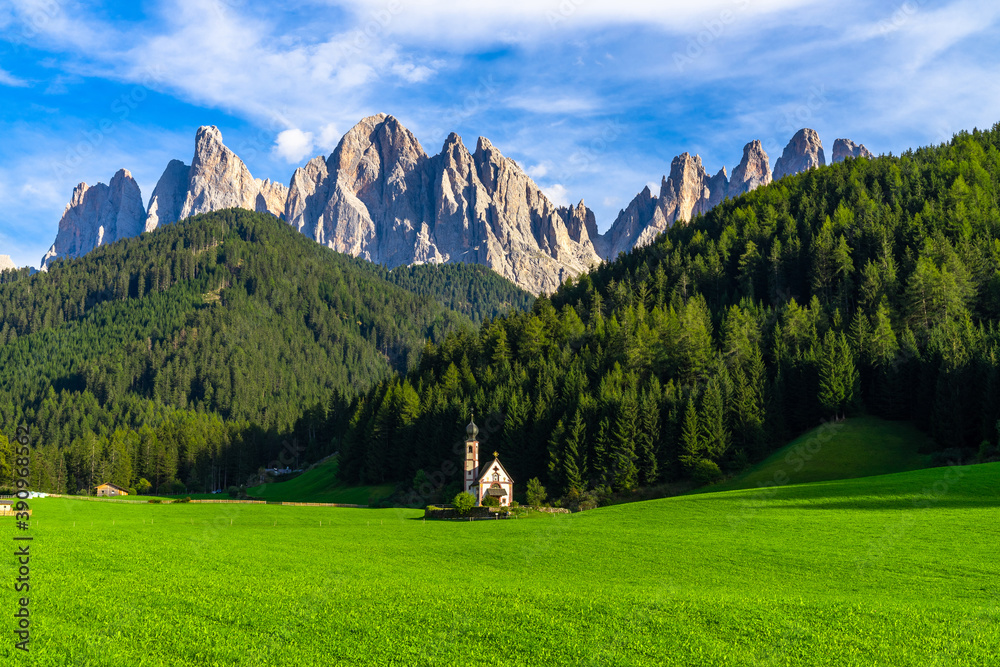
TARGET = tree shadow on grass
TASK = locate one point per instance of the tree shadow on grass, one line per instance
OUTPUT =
(896, 503)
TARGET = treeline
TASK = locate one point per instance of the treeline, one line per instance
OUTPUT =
(231, 316)
(871, 285)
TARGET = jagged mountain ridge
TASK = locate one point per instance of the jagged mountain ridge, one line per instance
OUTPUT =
(381, 197)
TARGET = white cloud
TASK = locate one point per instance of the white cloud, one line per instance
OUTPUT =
(8, 79)
(329, 137)
(412, 73)
(293, 145)
(538, 171)
(460, 21)
(550, 104)
(928, 32)
(557, 194)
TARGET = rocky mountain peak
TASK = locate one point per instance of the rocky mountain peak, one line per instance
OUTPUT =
(845, 148)
(98, 215)
(6, 263)
(217, 179)
(803, 152)
(205, 136)
(682, 195)
(753, 171)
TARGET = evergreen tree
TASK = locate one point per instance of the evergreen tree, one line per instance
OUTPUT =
(691, 437)
(715, 436)
(573, 469)
(838, 376)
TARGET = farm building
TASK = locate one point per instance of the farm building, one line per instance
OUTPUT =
(493, 480)
(7, 508)
(110, 490)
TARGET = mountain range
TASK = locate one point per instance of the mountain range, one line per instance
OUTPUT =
(379, 196)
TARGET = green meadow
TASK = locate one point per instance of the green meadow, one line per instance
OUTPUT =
(900, 569)
(320, 485)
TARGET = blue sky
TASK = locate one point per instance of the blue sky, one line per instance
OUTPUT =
(593, 98)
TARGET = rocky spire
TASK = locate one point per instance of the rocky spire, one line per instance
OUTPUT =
(718, 187)
(685, 193)
(168, 196)
(845, 148)
(308, 194)
(630, 224)
(98, 215)
(753, 171)
(218, 179)
(803, 152)
(6, 263)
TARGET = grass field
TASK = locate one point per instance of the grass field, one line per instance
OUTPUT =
(320, 485)
(894, 570)
(856, 447)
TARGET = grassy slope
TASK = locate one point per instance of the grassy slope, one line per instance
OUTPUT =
(894, 570)
(857, 447)
(320, 485)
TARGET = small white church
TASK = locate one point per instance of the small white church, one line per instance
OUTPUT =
(492, 480)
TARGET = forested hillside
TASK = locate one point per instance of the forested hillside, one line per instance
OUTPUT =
(471, 289)
(188, 354)
(870, 285)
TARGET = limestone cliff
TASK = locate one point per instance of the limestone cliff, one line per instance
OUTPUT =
(845, 148)
(381, 197)
(803, 152)
(98, 215)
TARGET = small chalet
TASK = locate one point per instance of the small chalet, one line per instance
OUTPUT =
(111, 490)
(491, 480)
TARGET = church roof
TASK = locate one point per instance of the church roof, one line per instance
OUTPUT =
(489, 469)
(498, 492)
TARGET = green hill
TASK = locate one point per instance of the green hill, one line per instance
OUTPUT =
(894, 570)
(320, 485)
(856, 447)
(190, 354)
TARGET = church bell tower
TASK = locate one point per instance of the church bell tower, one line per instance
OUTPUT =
(471, 458)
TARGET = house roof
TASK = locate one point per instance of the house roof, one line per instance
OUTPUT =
(111, 485)
(489, 469)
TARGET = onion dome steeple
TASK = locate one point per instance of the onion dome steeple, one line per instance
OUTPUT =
(471, 431)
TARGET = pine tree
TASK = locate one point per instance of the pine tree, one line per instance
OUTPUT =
(838, 376)
(714, 431)
(623, 443)
(648, 437)
(557, 480)
(573, 469)
(691, 438)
